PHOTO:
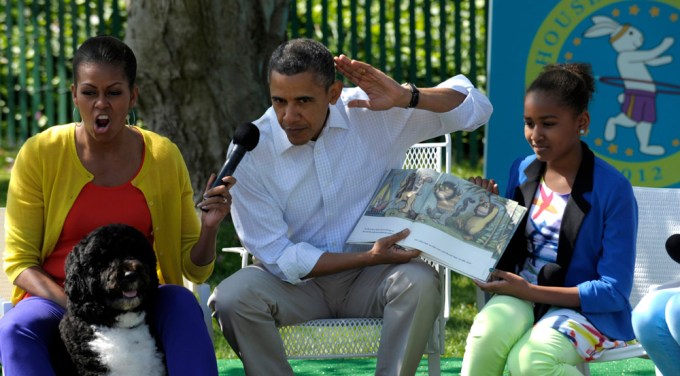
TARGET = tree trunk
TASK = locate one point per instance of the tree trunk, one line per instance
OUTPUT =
(202, 71)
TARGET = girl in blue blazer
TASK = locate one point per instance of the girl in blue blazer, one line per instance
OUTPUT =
(561, 288)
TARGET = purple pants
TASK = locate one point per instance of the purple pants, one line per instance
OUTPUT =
(30, 343)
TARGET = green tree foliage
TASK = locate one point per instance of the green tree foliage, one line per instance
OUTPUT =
(422, 41)
(36, 44)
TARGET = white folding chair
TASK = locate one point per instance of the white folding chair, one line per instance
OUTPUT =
(658, 219)
(360, 337)
(202, 292)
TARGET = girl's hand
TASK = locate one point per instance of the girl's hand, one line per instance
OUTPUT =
(506, 283)
(488, 184)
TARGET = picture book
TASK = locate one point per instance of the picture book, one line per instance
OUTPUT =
(453, 222)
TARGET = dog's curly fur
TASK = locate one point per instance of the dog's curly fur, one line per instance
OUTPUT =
(110, 281)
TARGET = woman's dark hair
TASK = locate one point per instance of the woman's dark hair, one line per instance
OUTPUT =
(108, 50)
(572, 84)
(303, 55)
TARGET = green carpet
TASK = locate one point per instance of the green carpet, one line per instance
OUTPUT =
(450, 366)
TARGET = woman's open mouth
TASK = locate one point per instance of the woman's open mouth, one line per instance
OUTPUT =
(101, 123)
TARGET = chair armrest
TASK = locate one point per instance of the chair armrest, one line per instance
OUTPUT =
(667, 285)
(241, 251)
(5, 306)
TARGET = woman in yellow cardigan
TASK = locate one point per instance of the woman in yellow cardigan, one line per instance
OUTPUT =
(71, 179)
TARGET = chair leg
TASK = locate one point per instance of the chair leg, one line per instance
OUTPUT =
(482, 298)
(203, 293)
(584, 369)
(434, 364)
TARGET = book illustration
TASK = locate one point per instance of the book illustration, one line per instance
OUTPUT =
(446, 214)
(450, 204)
(407, 188)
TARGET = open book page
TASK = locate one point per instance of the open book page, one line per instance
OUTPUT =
(454, 222)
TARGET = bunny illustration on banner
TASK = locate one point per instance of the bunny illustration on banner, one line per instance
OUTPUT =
(638, 100)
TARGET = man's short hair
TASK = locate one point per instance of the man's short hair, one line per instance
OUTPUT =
(303, 55)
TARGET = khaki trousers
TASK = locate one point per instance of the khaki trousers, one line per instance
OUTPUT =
(252, 303)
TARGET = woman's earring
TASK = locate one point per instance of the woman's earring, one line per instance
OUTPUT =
(132, 115)
(582, 132)
(76, 117)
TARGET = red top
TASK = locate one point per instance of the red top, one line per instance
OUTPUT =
(96, 206)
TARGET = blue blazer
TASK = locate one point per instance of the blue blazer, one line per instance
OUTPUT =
(596, 248)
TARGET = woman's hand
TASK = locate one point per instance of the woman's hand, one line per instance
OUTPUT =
(488, 184)
(216, 203)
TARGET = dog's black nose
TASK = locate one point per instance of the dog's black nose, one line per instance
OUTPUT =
(130, 275)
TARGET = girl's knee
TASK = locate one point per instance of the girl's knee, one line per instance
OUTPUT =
(528, 362)
(486, 347)
(490, 333)
(535, 363)
(673, 316)
(650, 312)
(544, 352)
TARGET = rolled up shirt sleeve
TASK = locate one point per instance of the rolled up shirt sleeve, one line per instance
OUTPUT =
(297, 261)
(475, 110)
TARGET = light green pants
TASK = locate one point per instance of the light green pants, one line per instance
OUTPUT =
(502, 333)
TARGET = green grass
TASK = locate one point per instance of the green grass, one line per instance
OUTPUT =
(463, 308)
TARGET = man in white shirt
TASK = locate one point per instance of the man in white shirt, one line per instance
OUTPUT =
(322, 153)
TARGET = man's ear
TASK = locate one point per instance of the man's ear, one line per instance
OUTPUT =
(335, 90)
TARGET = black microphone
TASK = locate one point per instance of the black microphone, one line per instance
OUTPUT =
(673, 247)
(245, 139)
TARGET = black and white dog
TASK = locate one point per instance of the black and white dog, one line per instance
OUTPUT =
(110, 281)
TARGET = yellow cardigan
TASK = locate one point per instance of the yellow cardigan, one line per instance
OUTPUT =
(47, 177)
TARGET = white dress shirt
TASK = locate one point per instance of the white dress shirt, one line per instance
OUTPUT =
(293, 203)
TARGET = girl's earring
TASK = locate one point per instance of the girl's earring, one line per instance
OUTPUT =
(132, 115)
(582, 132)
(76, 117)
